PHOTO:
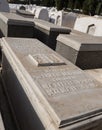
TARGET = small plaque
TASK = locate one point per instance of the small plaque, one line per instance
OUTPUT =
(46, 60)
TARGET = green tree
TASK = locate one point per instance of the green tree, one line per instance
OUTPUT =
(99, 8)
(77, 4)
(65, 4)
(59, 4)
(89, 7)
(71, 4)
(48, 3)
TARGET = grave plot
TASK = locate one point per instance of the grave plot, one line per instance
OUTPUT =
(48, 92)
(47, 32)
(13, 25)
(85, 51)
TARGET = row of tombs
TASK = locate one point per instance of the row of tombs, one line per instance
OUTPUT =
(48, 85)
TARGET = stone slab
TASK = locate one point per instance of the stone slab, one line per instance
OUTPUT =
(95, 73)
(47, 32)
(1, 123)
(63, 96)
(13, 25)
(85, 51)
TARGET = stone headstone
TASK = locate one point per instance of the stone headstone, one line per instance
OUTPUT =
(66, 19)
(62, 96)
(47, 32)
(14, 25)
(4, 6)
(83, 23)
(42, 13)
(85, 51)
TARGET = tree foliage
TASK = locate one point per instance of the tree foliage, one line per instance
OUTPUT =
(89, 7)
(59, 4)
(48, 3)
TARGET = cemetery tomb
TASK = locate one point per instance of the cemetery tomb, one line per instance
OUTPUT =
(47, 32)
(4, 6)
(48, 92)
(13, 25)
(66, 19)
(85, 51)
(98, 30)
(82, 24)
(42, 13)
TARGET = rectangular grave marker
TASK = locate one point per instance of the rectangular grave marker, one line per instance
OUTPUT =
(14, 25)
(63, 96)
(85, 51)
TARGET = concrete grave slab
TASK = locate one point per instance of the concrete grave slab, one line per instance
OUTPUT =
(13, 25)
(47, 32)
(63, 96)
(84, 51)
(95, 73)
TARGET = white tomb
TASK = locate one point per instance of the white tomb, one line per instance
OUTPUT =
(98, 31)
(83, 23)
(4, 6)
(90, 25)
(65, 19)
(42, 13)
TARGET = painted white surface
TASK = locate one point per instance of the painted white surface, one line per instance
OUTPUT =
(82, 23)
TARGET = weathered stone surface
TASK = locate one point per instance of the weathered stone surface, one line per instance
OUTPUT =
(95, 73)
(1, 123)
(63, 96)
(65, 19)
(90, 25)
(45, 60)
(13, 25)
(83, 50)
(47, 32)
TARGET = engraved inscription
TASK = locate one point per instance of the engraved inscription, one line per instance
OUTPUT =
(67, 86)
(67, 82)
